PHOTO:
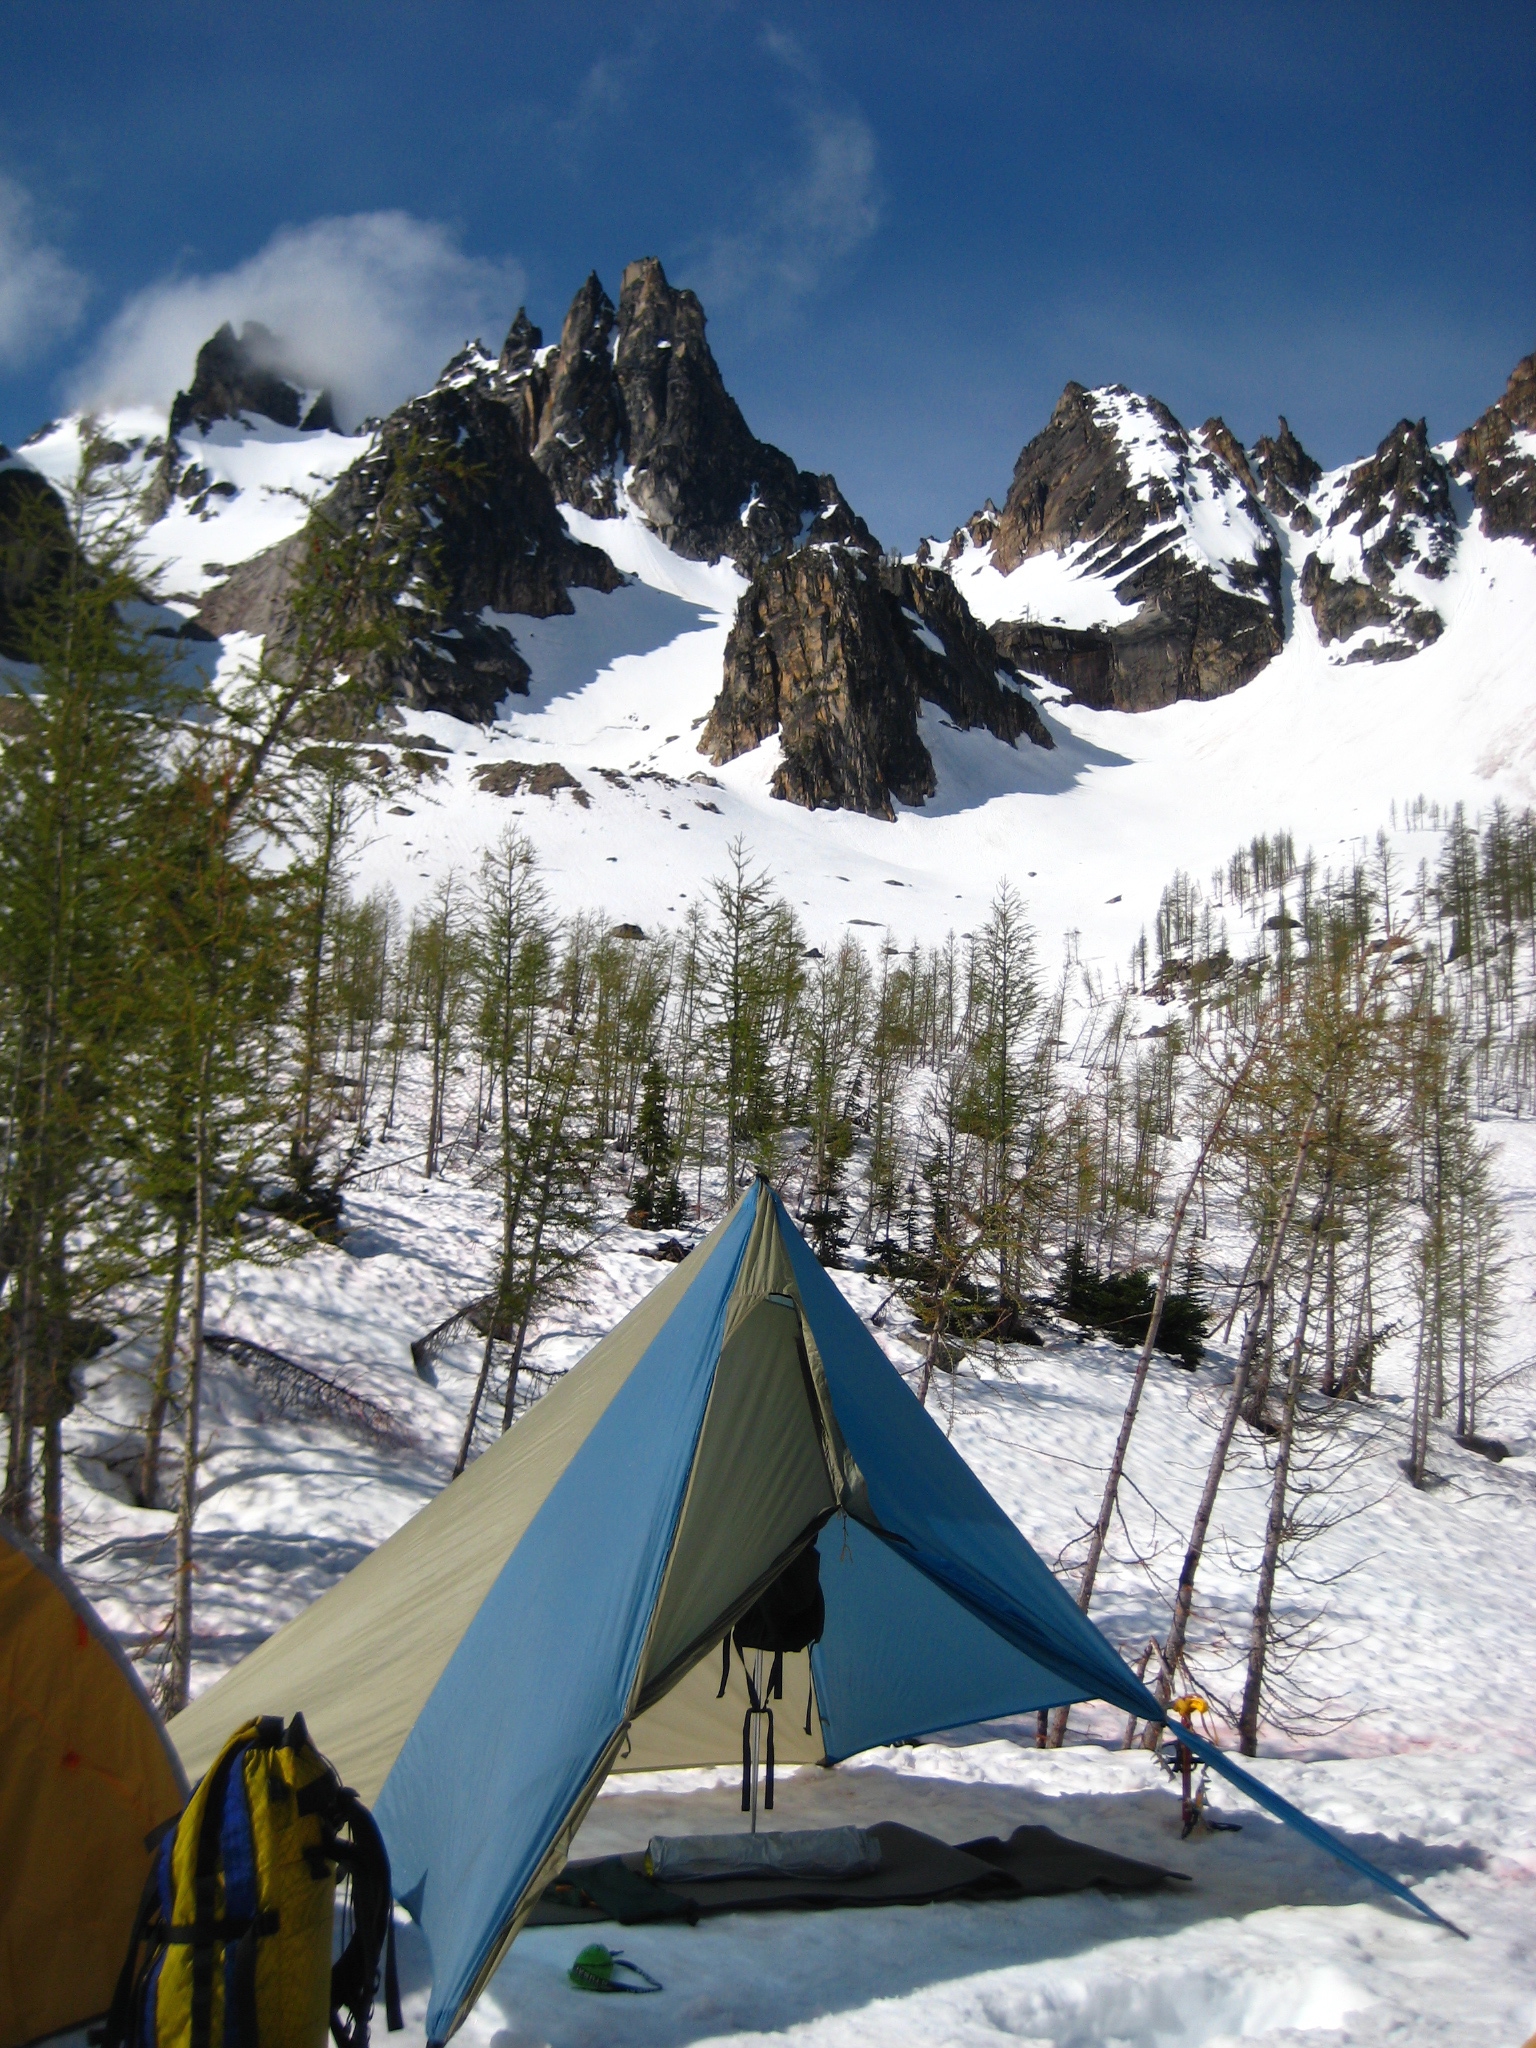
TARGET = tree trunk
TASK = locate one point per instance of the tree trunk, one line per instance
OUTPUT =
(1258, 1644)
(1184, 1599)
(1101, 1527)
(160, 1387)
(179, 1678)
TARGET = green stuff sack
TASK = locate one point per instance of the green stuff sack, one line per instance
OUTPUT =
(594, 1968)
(232, 1946)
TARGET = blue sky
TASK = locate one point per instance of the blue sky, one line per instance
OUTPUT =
(909, 225)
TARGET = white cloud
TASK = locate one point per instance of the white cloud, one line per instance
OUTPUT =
(807, 222)
(371, 305)
(41, 296)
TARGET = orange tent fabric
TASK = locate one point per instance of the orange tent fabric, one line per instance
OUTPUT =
(86, 1772)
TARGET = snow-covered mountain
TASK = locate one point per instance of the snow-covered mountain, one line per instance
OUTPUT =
(642, 594)
(659, 635)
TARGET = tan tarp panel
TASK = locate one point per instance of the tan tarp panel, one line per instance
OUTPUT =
(759, 1485)
(689, 1727)
(86, 1773)
(361, 1662)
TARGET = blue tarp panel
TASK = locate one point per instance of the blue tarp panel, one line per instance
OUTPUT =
(540, 1682)
(928, 1499)
(899, 1658)
(929, 1502)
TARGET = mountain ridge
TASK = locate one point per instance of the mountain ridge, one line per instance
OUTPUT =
(1133, 565)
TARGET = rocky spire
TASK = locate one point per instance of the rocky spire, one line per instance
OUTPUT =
(240, 373)
(1501, 472)
(581, 443)
(638, 394)
(523, 342)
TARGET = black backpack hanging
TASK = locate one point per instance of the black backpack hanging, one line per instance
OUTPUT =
(788, 1615)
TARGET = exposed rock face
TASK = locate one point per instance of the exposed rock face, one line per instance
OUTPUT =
(1343, 606)
(235, 375)
(1195, 640)
(490, 537)
(969, 680)
(1402, 496)
(1287, 476)
(35, 547)
(828, 651)
(581, 439)
(1115, 482)
(637, 393)
(1498, 456)
(1396, 510)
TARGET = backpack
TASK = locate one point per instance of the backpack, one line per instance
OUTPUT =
(232, 1944)
(789, 1615)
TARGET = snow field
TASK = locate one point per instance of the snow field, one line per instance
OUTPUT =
(1424, 1656)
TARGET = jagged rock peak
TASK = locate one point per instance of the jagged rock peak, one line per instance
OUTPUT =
(243, 373)
(489, 541)
(1166, 534)
(1388, 523)
(1402, 495)
(581, 439)
(636, 403)
(522, 344)
(835, 652)
(1221, 441)
(1498, 456)
(1287, 476)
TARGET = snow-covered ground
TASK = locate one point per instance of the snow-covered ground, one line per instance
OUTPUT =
(1424, 1656)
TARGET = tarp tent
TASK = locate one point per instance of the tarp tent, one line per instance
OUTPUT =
(557, 1612)
(86, 1772)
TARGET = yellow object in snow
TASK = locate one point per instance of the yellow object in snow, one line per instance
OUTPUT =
(86, 1772)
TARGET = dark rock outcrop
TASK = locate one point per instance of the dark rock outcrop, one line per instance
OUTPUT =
(1398, 506)
(1343, 606)
(1198, 629)
(1501, 473)
(1402, 496)
(487, 536)
(636, 394)
(1287, 476)
(240, 374)
(1191, 638)
(969, 681)
(581, 440)
(543, 778)
(828, 651)
(35, 549)
(235, 376)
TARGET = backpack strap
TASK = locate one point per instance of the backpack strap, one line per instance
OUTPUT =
(118, 2032)
(355, 1975)
(207, 1930)
(725, 1665)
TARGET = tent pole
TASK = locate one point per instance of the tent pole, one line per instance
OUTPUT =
(757, 1728)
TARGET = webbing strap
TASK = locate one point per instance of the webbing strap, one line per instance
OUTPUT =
(204, 1935)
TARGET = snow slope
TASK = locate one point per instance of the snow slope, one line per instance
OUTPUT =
(1424, 1652)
